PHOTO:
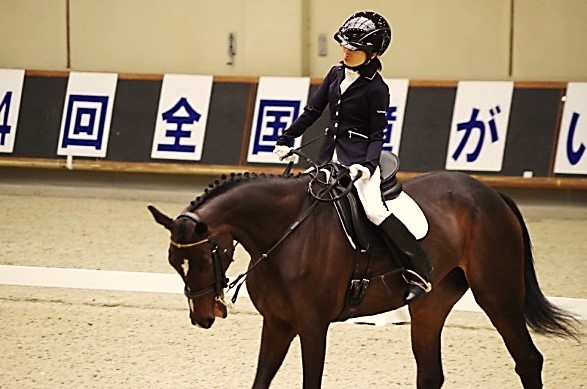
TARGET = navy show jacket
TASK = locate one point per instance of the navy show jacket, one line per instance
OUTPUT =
(357, 119)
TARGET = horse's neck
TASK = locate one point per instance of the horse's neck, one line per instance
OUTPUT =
(257, 214)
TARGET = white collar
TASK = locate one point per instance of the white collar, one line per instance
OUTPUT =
(351, 74)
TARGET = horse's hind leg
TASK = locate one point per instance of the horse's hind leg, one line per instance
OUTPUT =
(427, 320)
(276, 338)
(496, 277)
(506, 313)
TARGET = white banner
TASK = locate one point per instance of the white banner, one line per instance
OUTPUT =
(182, 116)
(87, 114)
(280, 100)
(570, 156)
(479, 125)
(11, 81)
(398, 94)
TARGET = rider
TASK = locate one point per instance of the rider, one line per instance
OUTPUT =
(358, 99)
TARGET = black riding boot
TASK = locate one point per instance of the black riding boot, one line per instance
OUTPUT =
(417, 274)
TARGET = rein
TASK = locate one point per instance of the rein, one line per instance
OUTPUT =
(334, 174)
(317, 198)
(220, 276)
(221, 281)
(238, 282)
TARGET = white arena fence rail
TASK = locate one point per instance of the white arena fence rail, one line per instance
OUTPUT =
(171, 283)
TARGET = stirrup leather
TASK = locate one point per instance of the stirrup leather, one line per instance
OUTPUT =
(417, 280)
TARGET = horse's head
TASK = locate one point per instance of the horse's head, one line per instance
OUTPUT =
(201, 259)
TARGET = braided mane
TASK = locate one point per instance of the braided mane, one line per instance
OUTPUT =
(225, 183)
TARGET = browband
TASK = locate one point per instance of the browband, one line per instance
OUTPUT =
(190, 215)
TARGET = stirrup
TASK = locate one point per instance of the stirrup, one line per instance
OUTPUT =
(416, 279)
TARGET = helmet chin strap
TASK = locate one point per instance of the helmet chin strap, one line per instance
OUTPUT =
(367, 69)
(354, 68)
(358, 67)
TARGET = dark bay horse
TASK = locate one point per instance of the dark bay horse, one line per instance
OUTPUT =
(301, 264)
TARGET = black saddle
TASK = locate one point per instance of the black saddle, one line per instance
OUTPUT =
(365, 235)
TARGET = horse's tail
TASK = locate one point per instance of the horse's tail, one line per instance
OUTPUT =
(541, 315)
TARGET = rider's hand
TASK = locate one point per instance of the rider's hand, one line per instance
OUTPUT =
(283, 151)
(356, 168)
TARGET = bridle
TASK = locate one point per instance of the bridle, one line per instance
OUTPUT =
(220, 279)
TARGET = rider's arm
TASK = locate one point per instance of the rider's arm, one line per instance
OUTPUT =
(378, 104)
(311, 113)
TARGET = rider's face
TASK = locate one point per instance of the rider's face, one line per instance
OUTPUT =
(353, 58)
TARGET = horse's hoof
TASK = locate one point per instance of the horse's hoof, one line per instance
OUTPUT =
(414, 292)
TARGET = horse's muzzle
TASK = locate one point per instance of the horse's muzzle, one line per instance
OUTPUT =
(202, 323)
(206, 322)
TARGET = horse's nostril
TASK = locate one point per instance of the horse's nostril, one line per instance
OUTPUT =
(207, 323)
(202, 323)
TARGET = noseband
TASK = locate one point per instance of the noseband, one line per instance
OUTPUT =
(187, 245)
(220, 279)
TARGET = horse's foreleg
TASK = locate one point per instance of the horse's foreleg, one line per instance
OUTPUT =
(275, 340)
(427, 320)
(313, 343)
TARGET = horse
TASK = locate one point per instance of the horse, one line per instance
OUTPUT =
(302, 262)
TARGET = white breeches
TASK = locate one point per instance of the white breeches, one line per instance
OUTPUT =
(370, 195)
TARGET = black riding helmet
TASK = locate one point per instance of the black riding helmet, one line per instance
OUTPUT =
(366, 31)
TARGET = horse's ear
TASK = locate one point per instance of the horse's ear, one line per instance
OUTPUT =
(201, 228)
(160, 217)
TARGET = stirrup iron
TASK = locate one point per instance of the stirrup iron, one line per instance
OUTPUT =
(417, 279)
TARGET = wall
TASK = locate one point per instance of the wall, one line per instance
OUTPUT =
(550, 40)
(434, 40)
(182, 36)
(33, 34)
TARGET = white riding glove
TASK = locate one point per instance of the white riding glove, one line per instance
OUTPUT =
(282, 151)
(356, 168)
